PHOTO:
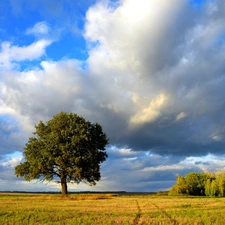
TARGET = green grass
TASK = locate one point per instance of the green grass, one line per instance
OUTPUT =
(107, 209)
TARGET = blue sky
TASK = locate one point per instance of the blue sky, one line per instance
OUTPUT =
(150, 72)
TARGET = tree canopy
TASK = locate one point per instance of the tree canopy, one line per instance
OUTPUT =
(200, 184)
(65, 149)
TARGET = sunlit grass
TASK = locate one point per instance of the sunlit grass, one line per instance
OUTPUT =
(109, 209)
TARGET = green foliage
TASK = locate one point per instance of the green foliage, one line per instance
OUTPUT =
(180, 187)
(195, 183)
(208, 187)
(200, 184)
(67, 147)
(220, 177)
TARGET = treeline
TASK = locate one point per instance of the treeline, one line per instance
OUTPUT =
(200, 184)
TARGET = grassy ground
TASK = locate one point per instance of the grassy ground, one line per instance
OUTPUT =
(110, 209)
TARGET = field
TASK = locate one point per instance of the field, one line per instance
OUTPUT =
(110, 209)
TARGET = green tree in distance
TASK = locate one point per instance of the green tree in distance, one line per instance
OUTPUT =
(67, 148)
(195, 183)
(200, 184)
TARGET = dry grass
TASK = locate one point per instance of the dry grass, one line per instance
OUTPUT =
(110, 209)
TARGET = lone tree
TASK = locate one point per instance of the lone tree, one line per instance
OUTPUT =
(65, 149)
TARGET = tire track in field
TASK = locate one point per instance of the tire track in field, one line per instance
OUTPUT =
(174, 222)
(138, 215)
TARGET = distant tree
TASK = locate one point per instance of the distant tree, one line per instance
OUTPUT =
(214, 189)
(208, 187)
(201, 183)
(180, 187)
(220, 177)
(192, 184)
(67, 147)
(196, 183)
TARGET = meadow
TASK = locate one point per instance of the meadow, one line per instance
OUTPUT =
(110, 209)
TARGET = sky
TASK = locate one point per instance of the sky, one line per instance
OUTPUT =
(151, 73)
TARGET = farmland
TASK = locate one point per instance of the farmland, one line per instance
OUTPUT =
(110, 209)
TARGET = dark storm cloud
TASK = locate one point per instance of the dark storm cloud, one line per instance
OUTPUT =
(203, 163)
(140, 171)
(194, 137)
(7, 173)
(10, 138)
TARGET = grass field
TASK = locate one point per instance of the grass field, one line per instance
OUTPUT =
(109, 209)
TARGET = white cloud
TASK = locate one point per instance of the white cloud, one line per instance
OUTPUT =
(127, 37)
(181, 116)
(12, 54)
(217, 134)
(216, 138)
(175, 167)
(14, 159)
(36, 95)
(152, 112)
(41, 28)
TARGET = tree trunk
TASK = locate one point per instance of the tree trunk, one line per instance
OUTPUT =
(64, 186)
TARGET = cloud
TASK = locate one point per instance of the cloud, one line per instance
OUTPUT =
(10, 54)
(10, 136)
(178, 58)
(40, 28)
(111, 28)
(30, 52)
(150, 172)
(137, 73)
(152, 112)
(39, 93)
(181, 116)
